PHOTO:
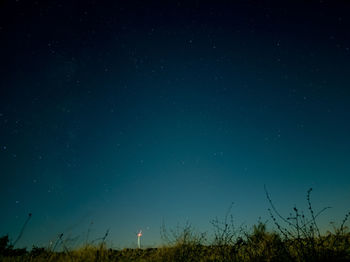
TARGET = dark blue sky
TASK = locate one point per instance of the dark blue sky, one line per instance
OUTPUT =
(131, 115)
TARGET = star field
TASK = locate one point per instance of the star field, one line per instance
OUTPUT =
(125, 116)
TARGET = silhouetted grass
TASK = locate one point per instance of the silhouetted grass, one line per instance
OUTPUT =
(297, 238)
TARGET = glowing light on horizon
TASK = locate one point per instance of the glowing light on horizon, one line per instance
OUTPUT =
(139, 239)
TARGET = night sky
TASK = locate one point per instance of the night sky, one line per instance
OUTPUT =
(125, 115)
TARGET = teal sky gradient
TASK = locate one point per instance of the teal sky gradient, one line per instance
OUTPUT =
(127, 117)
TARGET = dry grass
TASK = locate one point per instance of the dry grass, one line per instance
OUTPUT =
(297, 238)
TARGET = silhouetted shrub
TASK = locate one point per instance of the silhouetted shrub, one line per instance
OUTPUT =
(297, 239)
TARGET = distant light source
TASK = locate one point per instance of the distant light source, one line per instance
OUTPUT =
(139, 239)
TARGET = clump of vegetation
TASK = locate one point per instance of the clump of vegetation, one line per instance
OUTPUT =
(296, 238)
(302, 237)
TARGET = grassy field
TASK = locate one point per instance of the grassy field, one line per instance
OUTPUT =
(296, 238)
